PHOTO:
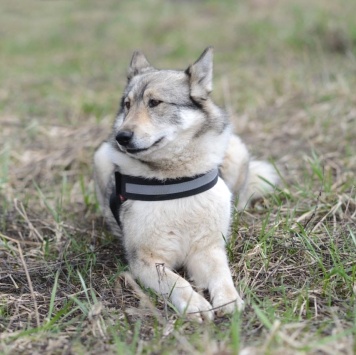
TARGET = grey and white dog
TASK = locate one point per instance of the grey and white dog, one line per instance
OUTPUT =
(168, 129)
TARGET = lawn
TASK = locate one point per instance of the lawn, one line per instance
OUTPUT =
(285, 71)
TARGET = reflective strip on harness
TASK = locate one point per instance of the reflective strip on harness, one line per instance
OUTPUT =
(168, 189)
(138, 188)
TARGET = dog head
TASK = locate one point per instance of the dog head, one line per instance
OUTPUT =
(166, 108)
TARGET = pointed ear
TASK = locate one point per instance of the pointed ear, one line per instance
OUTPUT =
(201, 75)
(139, 64)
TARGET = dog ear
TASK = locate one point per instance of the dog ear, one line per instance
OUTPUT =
(139, 64)
(201, 76)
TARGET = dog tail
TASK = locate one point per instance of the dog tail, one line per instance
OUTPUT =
(261, 180)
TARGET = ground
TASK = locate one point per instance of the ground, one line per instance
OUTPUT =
(286, 73)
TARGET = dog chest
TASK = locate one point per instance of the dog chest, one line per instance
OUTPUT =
(190, 218)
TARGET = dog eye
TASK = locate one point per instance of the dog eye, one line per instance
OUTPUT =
(127, 105)
(153, 103)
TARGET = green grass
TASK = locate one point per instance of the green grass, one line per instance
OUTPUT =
(285, 71)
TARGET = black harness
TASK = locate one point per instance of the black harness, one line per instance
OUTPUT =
(138, 188)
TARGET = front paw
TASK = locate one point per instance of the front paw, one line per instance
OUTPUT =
(195, 307)
(227, 301)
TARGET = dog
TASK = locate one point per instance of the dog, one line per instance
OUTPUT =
(165, 179)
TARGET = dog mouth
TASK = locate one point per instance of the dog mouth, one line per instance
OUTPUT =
(139, 150)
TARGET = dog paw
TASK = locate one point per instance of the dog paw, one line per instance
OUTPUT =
(227, 302)
(196, 308)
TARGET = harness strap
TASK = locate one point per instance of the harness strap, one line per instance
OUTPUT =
(138, 188)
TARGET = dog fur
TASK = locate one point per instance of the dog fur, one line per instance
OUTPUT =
(177, 131)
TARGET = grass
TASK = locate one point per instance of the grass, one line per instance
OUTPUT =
(285, 71)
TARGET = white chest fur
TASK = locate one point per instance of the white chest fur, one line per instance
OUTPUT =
(170, 230)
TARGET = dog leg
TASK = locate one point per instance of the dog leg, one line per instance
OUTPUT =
(156, 275)
(103, 172)
(234, 168)
(209, 269)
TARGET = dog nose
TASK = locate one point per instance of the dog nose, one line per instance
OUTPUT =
(124, 137)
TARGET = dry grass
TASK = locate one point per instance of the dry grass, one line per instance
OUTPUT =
(286, 73)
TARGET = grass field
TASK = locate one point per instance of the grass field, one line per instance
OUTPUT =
(286, 73)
